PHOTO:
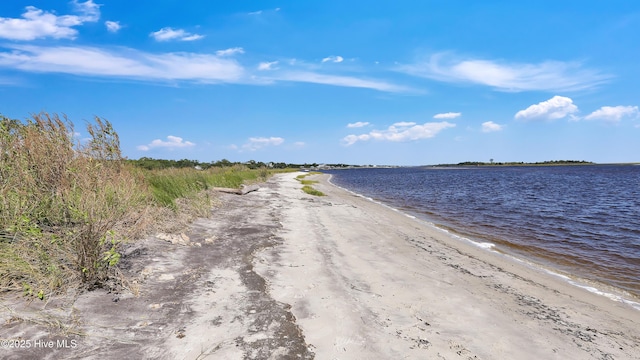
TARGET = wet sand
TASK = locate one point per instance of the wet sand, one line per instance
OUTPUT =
(279, 274)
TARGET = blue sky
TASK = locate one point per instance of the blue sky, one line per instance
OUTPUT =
(403, 82)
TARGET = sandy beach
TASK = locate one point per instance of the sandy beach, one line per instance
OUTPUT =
(279, 274)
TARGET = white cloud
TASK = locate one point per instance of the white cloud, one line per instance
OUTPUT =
(138, 65)
(449, 115)
(113, 26)
(333, 59)
(39, 24)
(358, 124)
(90, 11)
(402, 131)
(404, 124)
(490, 126)
(173, 142)
(122, 62)
(167, 34)
(264, 66)
(257, 143)
(504, 76)
(555, 108)
(231, 51)
(260, 12)
(613, 114)
(299, 144)
(338, 80)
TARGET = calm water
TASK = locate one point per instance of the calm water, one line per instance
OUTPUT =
(581, 220)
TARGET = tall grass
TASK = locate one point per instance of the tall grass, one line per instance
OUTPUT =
(170, 184)
(64, 205)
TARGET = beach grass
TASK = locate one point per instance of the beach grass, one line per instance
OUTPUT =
(67, 206)
(311, 191)
(167, 185)
(307, 188)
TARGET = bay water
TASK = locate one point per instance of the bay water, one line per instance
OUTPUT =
(579, 221)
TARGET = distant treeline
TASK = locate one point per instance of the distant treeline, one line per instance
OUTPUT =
(550, 162)
(157, 164)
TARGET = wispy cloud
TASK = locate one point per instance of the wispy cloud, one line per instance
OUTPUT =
(264, 66)
(358, 124)
(173, 142)
(89, 11)
(333, 59)
(339, 80)
(508, 76)
(555, 108)
(490, 126)
(168, 34)
(113, 26)
(257, 143)
(449, 115)
(39, 24)
(260, 12)
(122, 62)
(219, 67)
(230, 51)
(402, 131)
(614, 114)
(404, 124)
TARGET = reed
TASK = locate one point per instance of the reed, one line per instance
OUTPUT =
(65, 205)
(68, 206)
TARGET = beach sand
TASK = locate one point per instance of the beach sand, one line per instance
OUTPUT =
(279, 274)
(365, 281)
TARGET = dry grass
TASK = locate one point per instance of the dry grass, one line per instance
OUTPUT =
(65, 206)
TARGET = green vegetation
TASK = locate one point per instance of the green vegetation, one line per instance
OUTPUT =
(308, 182)
(167, 185)
(311, 191)
(65, 206)
(308, 189)
(68, 206)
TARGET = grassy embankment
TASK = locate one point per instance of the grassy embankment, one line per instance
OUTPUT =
(307, 188)
(68, 206)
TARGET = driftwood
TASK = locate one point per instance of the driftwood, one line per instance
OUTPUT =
(244, 189)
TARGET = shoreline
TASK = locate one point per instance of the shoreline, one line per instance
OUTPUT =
(369, 281)
(596, 287)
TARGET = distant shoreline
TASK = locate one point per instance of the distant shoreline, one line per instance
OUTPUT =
(466, 166)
